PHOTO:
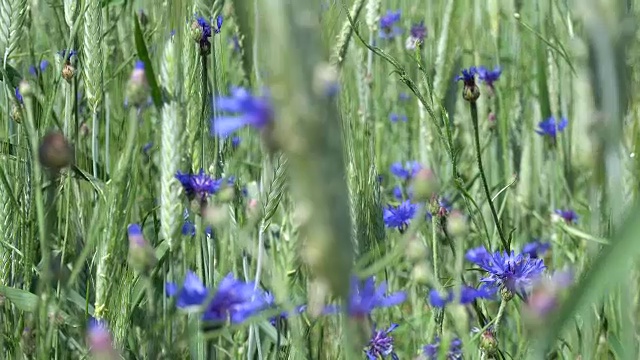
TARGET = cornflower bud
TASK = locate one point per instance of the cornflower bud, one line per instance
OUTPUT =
(138, 87)
(142, 257)
(55, 152)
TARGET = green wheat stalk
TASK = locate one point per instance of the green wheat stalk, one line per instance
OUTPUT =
(12, 16)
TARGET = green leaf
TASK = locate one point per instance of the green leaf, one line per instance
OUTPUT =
(13, 76)
(22, 299)
(143, 54)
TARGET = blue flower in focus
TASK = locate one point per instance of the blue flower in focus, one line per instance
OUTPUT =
(550, 127)
(43, 66)
(455, 350)
(569, 216)
(192, 293)
(395, 117)
(366, 296)
(234, 301)
(388, 27)
(468, 76)
(516, 273)
(535, 249)
(407, 171)
(206, 28)
(489, 76)
(467, 296)
(381, 344)
(19, 96)
(399, 216)
(198, 186)
(251, 110)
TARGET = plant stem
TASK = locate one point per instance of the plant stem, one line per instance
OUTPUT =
(476, 132)
(496, 325)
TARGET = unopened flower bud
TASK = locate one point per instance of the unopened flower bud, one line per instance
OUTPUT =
(471, 93)
(55, 152)
(226, 194)
(424, 184)
(68, 71)
(25, 89)
(216, 215)
(488, 342)
(142, 257)
(196, 31)
(253, 209)
(415, 250)
(325, 81)
(506, 294)
(420, 273)
(457, 224)
(99, 341)
(16, 113)
(138, 87)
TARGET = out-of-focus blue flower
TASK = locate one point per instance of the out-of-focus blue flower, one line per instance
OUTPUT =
(399, 216)
(516, 273)
(381, 344)
(198, 186)
(43, 66)
(397, 192)
(407, 171)
(568, 215)
(467, 296)
(468, 76)
(235, 142)
(544, 296)
(454, 353)
(19, 96)
(419, 31)
(234, 41)
(403, 96)
(251, 110)
(535, 249)
(147, 147)
(366, 296)
(99, 338)
(234, 301)
(388, 27)
(67, 55)
(489, 76)
(270, 303)
(550, 127)
(191, 293)
(218, 28)
(397, 117)
(188, 228)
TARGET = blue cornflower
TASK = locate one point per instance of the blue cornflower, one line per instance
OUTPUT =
(172, 33)
(67, 55)
(568, 215)
(513, 272)
(198, 186)
(206, 28)
(270, 302)
(550, 127)
(489, 76)
(234, 301)
(399, 216)
(535, 249)
(381, 344)
(99, 339)
(147, 147)
(467, 296)
(235, 142)
(234, 41)
(419, 31)
(455, 350)
(388, 28)
(395, 117)
(19, 96)
(188, 228)
(407, 171)
(252, 110)
(218, 28)
(397, 192)
(192, 293)
(43, 66)
(468, 76)
(403, 96)
(366, 296)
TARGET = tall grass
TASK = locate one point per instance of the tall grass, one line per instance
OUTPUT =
(302, 203)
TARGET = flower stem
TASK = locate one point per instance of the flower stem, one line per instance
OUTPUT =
(476, 132)
(439, 316)
(496, 325)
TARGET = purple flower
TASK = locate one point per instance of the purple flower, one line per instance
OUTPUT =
(550, 127)
(388, 28)
(366, 296)
(419, 31)
(43, 66)
(234, 301)
(544, 297)
(467, 296)
(489, 76)
(381, 344)
(192, 293)
(455, 350)
(516, 273)
(252, 110)
(99, 337)
(198, 186)
(468, 76)
(569, 216)
(19, 96)
(399, 216)
(395, 117)
(535, 249)
(407, 171)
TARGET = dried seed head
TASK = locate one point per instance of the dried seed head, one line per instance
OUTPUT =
(68, 71)
(55, 152)
(16, 113)
(425, 185)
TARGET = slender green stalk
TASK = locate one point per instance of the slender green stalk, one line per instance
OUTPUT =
(496, 324)
(476, 135)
